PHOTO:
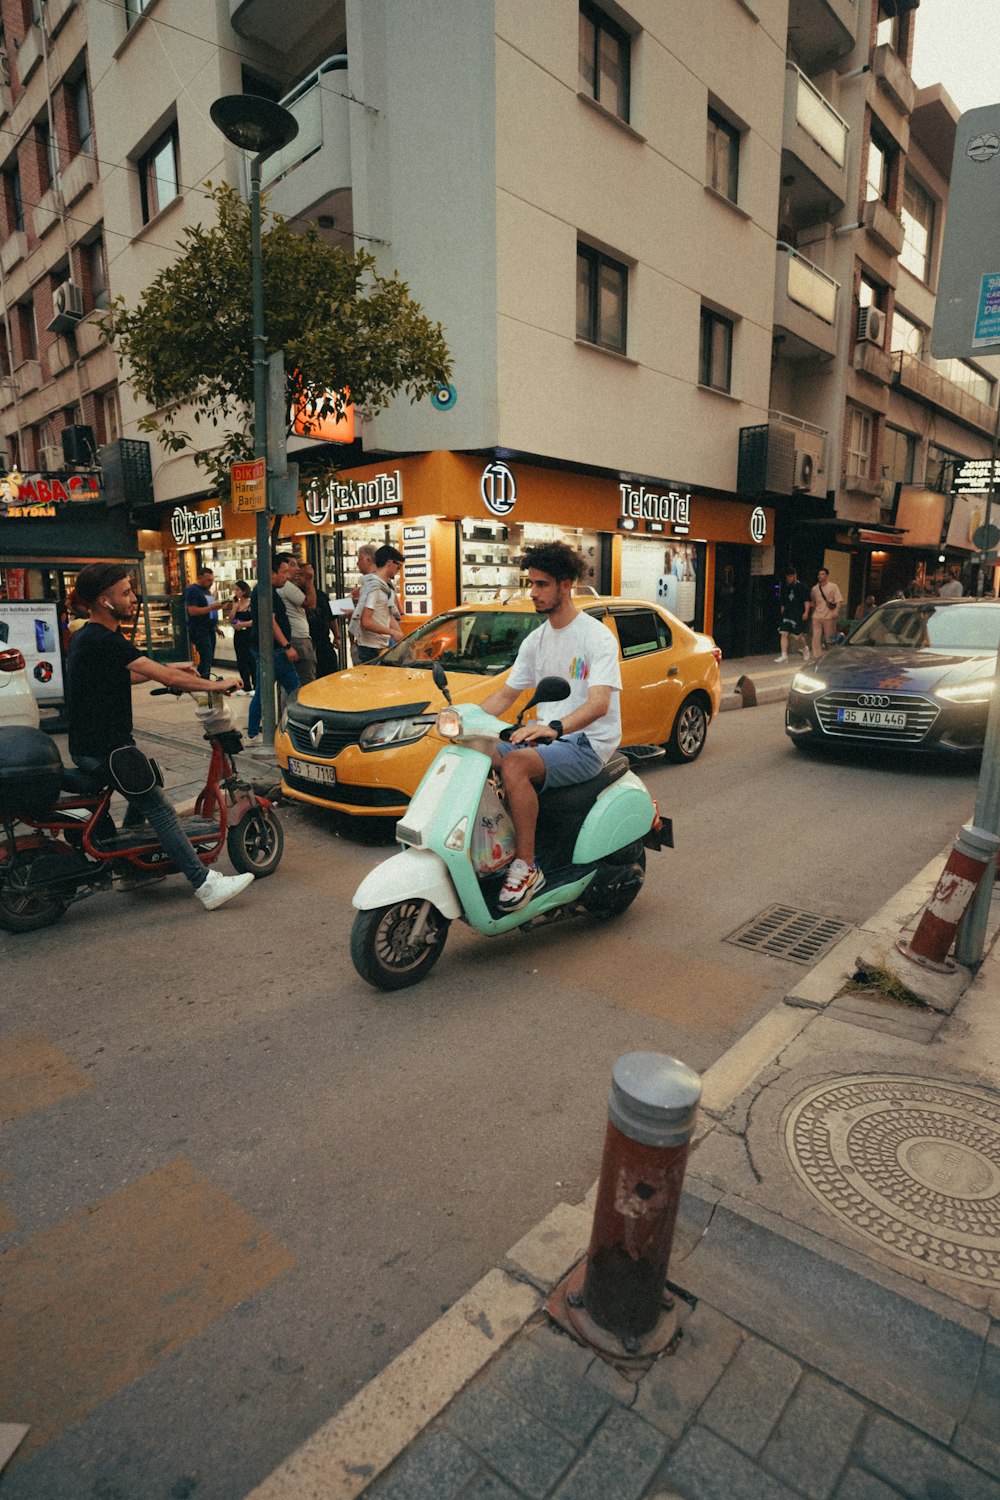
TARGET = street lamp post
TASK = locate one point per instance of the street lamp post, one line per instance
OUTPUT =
(259, 127)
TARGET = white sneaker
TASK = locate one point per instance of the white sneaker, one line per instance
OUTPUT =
(219, 888)
(240, 693)
(781, 658)
(253, 739)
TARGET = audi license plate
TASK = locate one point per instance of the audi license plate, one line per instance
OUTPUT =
(871, 718)
(312, 772)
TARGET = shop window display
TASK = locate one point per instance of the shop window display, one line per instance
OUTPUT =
(491, 553)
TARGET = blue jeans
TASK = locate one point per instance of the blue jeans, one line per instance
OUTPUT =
(157, 810)
(285, 676)
(204, 644)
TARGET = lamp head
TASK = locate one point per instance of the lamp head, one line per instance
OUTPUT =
(254, 124)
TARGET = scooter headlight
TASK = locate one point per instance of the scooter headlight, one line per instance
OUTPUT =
(449, 723)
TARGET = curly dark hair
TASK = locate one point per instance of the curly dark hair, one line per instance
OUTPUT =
(558, 560)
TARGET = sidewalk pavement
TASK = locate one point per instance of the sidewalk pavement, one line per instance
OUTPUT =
(837, 1267)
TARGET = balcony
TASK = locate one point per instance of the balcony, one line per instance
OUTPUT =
(885, 227)
(805, 307)
(6, 103)
(316, 165)
(916, 377)
(889, 70)
(872, 361)
(13, 250)
(821, 31)
(47, 211)
(276, 23)
(814, 151)
(56, 12)
(78, 176)
(28, 53)
(28, 377)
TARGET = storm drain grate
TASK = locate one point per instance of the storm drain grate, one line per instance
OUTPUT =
(784, 932)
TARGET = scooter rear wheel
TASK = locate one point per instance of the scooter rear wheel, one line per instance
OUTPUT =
(256, 843)
(21, 908)
(382, 949)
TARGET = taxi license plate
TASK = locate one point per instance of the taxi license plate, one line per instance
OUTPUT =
(310, 771)
(871, 718)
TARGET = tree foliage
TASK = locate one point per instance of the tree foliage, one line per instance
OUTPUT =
(189, 343)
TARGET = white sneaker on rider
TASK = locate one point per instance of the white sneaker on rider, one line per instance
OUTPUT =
(523, 881)
(782, 657)
(219, 888)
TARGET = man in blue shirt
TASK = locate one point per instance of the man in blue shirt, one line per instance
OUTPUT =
(200, 606)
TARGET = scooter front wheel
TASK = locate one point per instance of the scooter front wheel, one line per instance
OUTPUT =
(383, 947)
(255, 844)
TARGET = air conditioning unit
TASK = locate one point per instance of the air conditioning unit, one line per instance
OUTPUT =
(805, 471)
(67, 307)
(871, 325)
(50, 459)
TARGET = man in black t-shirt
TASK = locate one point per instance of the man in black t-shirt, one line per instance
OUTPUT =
(794, 607)
(285, 654)
(100, 670)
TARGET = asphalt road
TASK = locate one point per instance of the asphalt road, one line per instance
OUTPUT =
(236, 1182)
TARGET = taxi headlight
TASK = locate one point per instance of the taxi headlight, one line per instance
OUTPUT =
(283, 721)
(449, 723)
(805, 682)
(966, 692)
(393, 732)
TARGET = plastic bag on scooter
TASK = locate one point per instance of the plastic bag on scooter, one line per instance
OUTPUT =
(132, 772)
(492, 833)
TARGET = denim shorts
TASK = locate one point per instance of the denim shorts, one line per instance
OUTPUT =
(567, 761)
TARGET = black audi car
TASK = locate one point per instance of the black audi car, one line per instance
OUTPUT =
(916, 675)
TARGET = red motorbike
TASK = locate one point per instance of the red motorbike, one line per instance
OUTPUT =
(60, 842)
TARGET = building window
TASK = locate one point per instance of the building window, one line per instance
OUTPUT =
(159, 174)
(15, 203)
(27, 329)
(879, 175)
(601, 299)
(722, 171)
(133, 10)
(941, 468)
(715, 364)
(97, 270)
(605, 54)
(898, 453)
(51, 148)
(966, 377)
(870, 294)
(918, 229)
(110, 417)
(887, 26)
(907, 336)
(84, 121)
(859, 443)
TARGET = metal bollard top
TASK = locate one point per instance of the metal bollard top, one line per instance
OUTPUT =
(654, 1099)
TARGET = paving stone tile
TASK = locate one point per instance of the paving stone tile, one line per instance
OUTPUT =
(706, 1468)
(857, 1485)
(524, 1452)
(435, 1468)
(620, 1460)
(568, 1403)
(812, 1442)
(979, 1435)
(606, 1378)
(747, 1402)
(671, 1393)
(571, 1357)
(919, 1468)
(488, 1487)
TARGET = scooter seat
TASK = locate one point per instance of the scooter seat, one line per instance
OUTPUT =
(563, 801)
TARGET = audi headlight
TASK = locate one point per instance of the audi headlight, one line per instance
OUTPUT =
(966, 692)
(393, 732)
(805, 682)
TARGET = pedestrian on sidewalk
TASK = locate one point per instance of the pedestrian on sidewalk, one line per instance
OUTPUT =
(199, 603)
(794, 607)
(366, 565)
(241, 619)
(284, 652)
(300, 597)
(100, 670)
(376, 617)
(825, 600)
(324, 626)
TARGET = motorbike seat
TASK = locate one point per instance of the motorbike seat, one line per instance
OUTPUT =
(564, 801)
(83, 783)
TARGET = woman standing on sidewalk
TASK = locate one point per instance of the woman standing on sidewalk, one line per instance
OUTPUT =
(241, 619)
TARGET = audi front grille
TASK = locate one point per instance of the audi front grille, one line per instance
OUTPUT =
(920, 715)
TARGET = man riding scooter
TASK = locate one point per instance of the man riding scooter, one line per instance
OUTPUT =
(553, 752)
(101, 669)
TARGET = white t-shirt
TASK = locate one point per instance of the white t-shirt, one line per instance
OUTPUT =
(585, 653)
(294, 601)
(379, 596)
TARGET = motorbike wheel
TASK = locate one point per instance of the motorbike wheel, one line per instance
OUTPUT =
(381, 949)
(687, 736)
(256, 843)
(612, 906)
(23, 909)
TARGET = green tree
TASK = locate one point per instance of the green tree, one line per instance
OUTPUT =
(189, 343)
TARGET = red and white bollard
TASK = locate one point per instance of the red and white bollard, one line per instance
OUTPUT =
(974, 849)
(614, 1300)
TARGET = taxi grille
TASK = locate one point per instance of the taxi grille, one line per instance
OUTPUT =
(332, 741)
(920, 715)
(339, 730)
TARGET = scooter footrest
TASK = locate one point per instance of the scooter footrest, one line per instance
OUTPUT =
(492, 885)
(138, 835)
(199, 828)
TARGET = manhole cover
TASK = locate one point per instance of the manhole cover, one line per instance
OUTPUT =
(908, 1162)
(784, 932)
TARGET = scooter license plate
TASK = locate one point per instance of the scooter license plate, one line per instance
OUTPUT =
(310, 771)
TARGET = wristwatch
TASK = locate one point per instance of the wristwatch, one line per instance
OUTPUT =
(556, 724)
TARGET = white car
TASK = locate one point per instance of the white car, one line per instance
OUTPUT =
(18, 704)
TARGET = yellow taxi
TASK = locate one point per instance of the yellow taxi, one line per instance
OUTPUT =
(359, 741)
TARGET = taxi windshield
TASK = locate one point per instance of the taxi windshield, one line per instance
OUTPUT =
(484, 642)
(951, 627)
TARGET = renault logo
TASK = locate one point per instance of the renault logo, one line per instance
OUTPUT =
(873, 700)
(316, 733)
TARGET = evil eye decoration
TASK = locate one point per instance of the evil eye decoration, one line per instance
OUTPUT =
(444, 398)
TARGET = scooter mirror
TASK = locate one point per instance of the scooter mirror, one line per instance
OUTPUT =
(549, 690)
(441, 680)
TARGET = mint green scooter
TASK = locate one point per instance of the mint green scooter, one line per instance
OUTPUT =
(591, 844)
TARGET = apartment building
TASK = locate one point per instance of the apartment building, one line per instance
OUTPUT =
(659, 238)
